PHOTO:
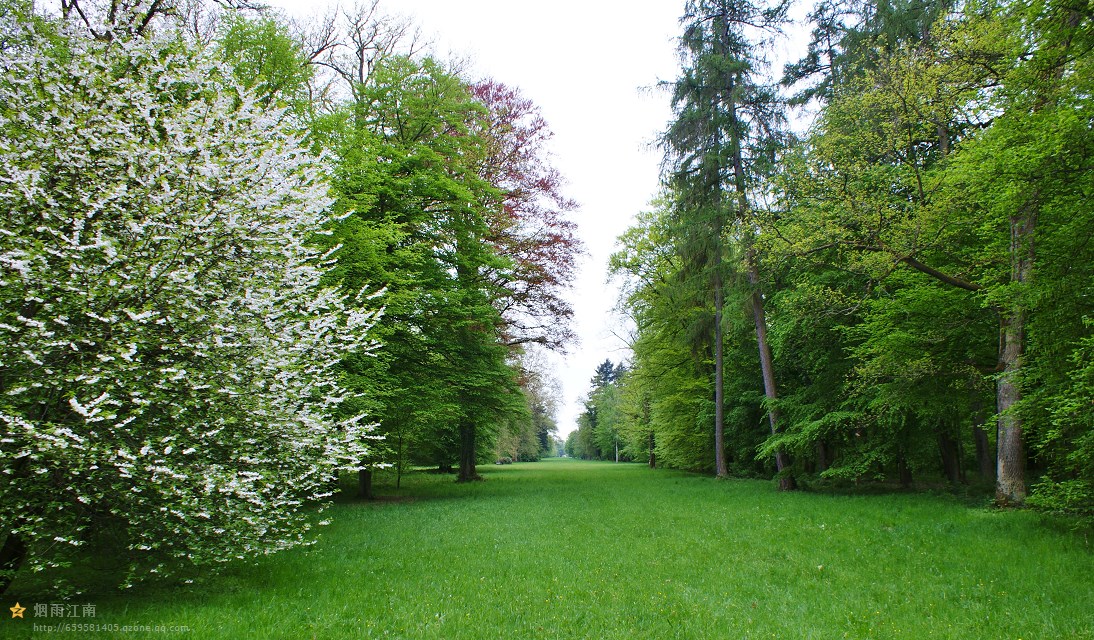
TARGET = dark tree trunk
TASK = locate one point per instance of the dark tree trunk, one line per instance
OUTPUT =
(468, 453)
(822, 457)
(12, 555)
(364, 484)
(904, 472)
(653, 455)
(951, 458)
(984, 458)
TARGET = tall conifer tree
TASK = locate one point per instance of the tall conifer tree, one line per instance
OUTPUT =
(717, 151)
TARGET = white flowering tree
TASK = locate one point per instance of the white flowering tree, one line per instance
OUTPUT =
(168, 358)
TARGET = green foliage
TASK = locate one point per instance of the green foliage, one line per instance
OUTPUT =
(1068, 442)
(667, 396)
(938, 197)
(421, 216)
(452, 208)
(266, 59)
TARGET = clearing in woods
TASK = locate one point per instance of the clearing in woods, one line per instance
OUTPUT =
(569, 549)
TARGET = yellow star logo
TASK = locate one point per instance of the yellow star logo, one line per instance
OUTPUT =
(17, 611)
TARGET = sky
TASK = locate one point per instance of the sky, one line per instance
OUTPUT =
(589, 65)
(592, 67)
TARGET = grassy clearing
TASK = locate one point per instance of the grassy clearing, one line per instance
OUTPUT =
(565, 549)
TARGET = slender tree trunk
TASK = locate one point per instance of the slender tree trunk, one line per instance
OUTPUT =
(12, 555)
(364, 484)
(399, 461)
(951, 458)
(720, 468)
(985, 457)
(1010, 483)
(653, 455)
(822, 457)
(904, 471)
(1010, 486)
(468, 453)
(767, 366)
(759, 317)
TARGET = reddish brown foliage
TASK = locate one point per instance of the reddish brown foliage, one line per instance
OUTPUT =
(531, 226)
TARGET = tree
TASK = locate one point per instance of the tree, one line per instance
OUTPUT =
(454, 179)
(267, 60)
(851, 38)
(1037, 146)
(940, 159)
(414, 222)
(672, 356)
(530, 227)
(171, 366)
(719, 147)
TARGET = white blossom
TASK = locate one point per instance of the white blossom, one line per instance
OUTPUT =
(161, 300)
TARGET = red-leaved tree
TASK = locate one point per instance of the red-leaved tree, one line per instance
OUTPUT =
(531, 227)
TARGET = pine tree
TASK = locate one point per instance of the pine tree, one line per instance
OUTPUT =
(718, 149)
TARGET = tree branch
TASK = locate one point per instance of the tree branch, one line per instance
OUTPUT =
(935, 273)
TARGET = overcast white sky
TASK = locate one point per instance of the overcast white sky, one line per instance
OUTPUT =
(588, 65)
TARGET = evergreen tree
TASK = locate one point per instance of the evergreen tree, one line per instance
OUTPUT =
(719, 148)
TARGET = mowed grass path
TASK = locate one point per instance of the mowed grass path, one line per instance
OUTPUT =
(566, 549)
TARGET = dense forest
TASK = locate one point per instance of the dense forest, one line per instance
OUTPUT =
(904, 290)
(241, 256)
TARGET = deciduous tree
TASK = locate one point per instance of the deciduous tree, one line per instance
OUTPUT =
(171, 357)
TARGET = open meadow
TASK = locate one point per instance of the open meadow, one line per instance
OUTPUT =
(568, 549)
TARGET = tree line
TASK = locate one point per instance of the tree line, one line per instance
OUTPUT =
(902, 291)
(242, 255)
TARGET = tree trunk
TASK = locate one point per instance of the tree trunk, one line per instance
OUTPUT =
(1010, 486)
(904, 471)
(822, 457)
(1010, 482)
(399, 457)
(468, 453)
(984, 455)
(767, 367)
(951, 458)
(12, 555)
(364, 484)
(720, 469)
(653, 456)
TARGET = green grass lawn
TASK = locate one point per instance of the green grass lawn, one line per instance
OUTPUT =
(565, 549)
